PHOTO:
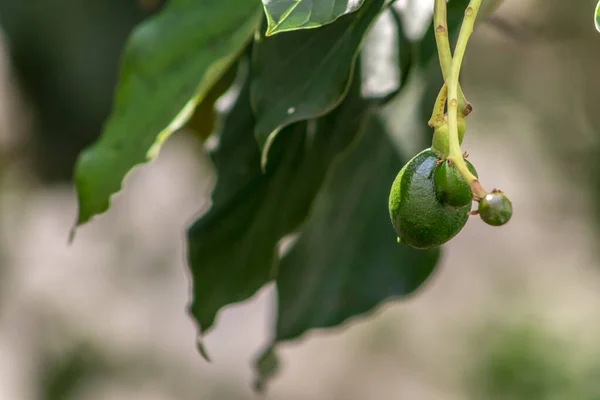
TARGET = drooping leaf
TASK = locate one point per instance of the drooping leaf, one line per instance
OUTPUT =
(267, 365)
(597, 17)
(289, 15)
(232, 249)
(305, 74)
(170, 63)
(347, 260)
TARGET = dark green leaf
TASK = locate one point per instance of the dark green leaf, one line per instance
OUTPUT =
(305, 74)
(289, 15)
(347, 260)
(266, 366)
(170, 63)
(233, 248)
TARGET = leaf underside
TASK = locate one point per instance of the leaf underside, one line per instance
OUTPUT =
(289, 15)
(347, 260)
(349, 246)
(168, 66)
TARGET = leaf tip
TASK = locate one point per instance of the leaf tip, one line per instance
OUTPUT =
(71, 237)
(271, 23)
(266, 367)
(94, 188)
(275, 29)
(202, 350)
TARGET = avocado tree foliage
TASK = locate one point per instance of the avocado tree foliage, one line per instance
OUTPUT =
(304, 155)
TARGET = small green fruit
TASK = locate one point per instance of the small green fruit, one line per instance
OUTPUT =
(439, 143)
(451, 188)
(495, 209)
(419, 218)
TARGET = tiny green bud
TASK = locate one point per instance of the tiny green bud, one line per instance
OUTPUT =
(495, 209)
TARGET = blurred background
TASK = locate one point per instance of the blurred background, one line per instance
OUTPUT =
(511, 313)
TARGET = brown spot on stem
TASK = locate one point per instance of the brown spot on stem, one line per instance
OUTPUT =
(468, 109)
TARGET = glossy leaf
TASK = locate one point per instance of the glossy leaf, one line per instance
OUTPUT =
(170, 63)
(232, 249)
(347, 260)
(289, 15)
(305, 74)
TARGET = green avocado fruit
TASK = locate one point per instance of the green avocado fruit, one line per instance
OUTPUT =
(420, 219)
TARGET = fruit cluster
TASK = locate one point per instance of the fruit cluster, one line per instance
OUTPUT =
(432, 195)
(430, 201)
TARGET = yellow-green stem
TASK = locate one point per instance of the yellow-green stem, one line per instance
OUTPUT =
(456, 156)
(443, 46)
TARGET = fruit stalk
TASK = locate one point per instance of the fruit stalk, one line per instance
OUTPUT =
(456, 156)
(443, 46)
